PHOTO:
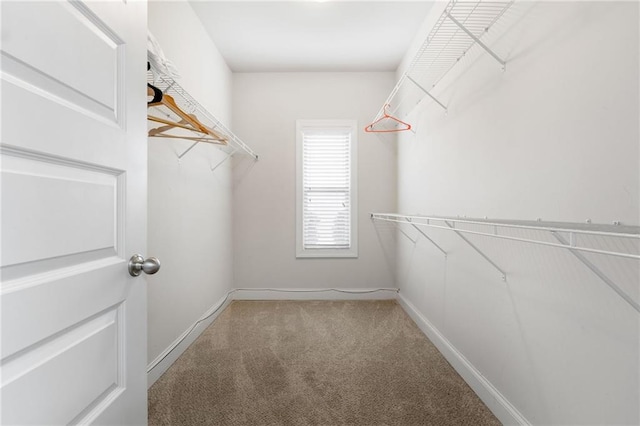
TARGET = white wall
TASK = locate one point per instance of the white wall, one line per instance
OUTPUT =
(554, 137)
(265, 109)
(189, 206)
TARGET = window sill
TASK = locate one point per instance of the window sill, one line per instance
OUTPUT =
(327, 254)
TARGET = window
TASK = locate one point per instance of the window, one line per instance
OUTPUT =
(326, 188)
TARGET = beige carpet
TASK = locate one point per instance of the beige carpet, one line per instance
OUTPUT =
(314, 363)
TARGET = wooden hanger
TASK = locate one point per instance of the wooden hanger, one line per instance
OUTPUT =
(188, 121)
(159, 132)
(387, 116)
(190, 138)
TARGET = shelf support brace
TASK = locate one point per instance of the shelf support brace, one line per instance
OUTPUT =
(223, 160)
(502, 273)
(398, 227)
(405, 234)
(187, 150)
(595, 269)
(477, 40)
(426, 92)
(427, 237)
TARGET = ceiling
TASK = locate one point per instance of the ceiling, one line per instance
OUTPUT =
(263, 36)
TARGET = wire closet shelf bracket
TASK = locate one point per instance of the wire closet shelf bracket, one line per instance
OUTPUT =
(570, 236)
(203, 127)
(461, 26)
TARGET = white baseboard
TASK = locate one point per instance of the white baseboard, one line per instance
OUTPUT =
(315, 294)
(497, 403)
(158, 366)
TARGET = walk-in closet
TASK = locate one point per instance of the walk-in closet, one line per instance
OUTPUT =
(323, 212)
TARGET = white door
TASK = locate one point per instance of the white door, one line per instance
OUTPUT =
(73, 321)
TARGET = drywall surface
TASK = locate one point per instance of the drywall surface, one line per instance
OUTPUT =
(265, 109)
(554, 137)
(189, 205)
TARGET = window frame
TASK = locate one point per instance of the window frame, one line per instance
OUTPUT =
(352, 251)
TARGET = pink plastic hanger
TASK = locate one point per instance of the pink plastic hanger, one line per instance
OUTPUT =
(387, 116)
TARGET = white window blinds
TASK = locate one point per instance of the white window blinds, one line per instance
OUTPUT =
(326, 188)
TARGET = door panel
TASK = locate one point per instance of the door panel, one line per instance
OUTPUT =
(40, 184)
(65, 297)
(35, 375)
(81, 64)
(73, 186)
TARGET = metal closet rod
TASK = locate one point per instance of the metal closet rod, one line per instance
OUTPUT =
(572, 229)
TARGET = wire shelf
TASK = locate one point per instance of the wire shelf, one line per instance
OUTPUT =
(578, 238)
(460, 27)
(228, 142)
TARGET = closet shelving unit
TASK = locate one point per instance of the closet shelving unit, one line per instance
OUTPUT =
(578, 238)
(227, 141)
(461, 27)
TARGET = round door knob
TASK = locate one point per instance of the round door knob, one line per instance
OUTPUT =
(138, 264)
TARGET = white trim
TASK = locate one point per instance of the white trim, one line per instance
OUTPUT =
(351, 252)
(158, 366)
(492, 398)
(315, 294)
